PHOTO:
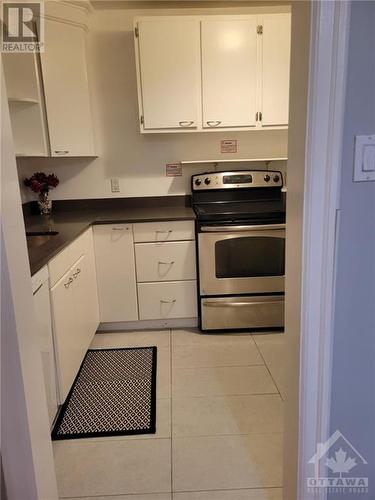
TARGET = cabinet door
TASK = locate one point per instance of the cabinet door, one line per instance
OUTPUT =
(66, 90)
(229, 72)
(115, 268)
(86, 299)
(169, 66)
(75, 319)
(69, 350)
(275, 73)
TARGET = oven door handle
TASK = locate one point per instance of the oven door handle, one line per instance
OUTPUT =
(235, 229)
(238, 304)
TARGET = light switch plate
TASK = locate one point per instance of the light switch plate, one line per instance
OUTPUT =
(364, 158)
(115, 185)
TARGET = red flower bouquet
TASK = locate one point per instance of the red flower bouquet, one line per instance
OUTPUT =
(41, 183)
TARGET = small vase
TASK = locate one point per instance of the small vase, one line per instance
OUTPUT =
(45, 205)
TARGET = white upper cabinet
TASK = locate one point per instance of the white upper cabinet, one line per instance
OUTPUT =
(229, 76)
(48, 93)
(275, 69)
(169, 72)
(66, 90)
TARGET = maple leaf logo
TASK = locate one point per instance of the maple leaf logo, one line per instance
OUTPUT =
(341, 464)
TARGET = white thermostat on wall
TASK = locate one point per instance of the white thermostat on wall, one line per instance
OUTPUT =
(364, 158)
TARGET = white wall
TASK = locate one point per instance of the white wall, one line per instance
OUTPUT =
(353, 376)
(139, 160)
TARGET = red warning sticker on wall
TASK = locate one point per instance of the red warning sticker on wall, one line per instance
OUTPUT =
(228, 146)
(173, 169)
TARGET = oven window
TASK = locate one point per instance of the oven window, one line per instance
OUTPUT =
(247, 257)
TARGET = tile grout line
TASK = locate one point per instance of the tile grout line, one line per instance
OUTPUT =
(230, 434)
(117, 495)
(232, 489)
(233, 394)
(217, 366)
(269, 371)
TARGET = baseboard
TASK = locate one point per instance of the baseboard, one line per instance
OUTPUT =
(154, 324)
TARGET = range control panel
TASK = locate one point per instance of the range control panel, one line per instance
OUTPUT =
(237, 179)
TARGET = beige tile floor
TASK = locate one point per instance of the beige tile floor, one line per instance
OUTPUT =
(219, 425)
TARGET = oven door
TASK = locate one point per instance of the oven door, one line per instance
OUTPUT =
(241, 259)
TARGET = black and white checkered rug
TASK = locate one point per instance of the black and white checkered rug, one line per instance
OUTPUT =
(114, 394)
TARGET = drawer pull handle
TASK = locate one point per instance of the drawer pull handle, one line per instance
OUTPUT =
(168, 301)
(76, 273)
(60, 152)
(185, 123)
(166, 232)
(120, 229)
(213, 123)
(68, 283)
(166, 263)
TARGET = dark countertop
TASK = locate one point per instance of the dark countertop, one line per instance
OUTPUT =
(70, 223)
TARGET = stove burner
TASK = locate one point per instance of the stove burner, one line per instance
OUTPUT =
(260, 203)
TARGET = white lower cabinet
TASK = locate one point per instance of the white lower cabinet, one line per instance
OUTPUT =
(174, 299)
(42, 308)
(68, 327)
(95, 280)
(166, 270)
(75, 314)
(146, 271)
(115, 265)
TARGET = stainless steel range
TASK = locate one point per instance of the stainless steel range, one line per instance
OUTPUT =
(241, 249)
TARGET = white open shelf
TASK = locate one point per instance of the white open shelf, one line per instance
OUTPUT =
(27, 115)
(232, 160)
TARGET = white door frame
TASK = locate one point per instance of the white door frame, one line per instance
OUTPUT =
(324, 133)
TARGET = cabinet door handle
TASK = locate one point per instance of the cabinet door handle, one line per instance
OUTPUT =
(213, 123)
(166, 263)
(168, 301)
(37, 290)
(68, 283)
(61, 152)
(186, 123)
(76, 273)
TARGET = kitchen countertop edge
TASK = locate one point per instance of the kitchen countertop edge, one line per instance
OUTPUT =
(70, 227)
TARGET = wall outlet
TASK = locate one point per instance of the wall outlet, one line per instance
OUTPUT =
(115, 185)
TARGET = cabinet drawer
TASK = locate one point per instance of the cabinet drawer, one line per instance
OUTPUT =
(175, 299)
(164, 231)
(165, 261)
(60, 264)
